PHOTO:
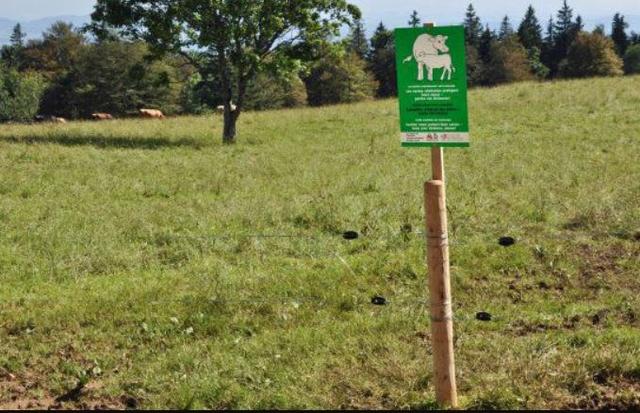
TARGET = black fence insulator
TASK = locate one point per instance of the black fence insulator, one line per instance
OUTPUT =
(483, 316)
(377, 300)
(350, 235)
(507, 241)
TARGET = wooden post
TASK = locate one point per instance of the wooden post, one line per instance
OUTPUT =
(440, 293)
(435, 203)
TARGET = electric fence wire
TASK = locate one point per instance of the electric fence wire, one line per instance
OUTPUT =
(357, 300)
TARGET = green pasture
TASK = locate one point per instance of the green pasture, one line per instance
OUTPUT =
(144, 264)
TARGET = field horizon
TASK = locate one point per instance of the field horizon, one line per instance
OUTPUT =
(144, 264)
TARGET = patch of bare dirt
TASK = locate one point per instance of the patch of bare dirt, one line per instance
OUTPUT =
(610, 394)
(524, 328)
(15, 396)
(20, 394)
(598, 262)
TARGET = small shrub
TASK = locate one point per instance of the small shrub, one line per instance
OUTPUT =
(266, 91)
(337, 78)
(20, 95)
(508, 62)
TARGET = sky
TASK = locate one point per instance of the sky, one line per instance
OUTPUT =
(393, 12)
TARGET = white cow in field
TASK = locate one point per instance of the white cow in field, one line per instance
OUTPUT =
(427, 51)
(151, 113)
(220, 109)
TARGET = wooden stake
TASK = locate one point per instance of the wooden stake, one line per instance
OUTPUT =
(435, 204)
(440, 293)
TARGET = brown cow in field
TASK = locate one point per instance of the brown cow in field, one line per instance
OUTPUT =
(151, 114)
(101, 116)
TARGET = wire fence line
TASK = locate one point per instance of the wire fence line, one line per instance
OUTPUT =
(359, 299)
(353, 236)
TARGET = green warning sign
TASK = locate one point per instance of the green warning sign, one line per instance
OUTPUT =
(432, 86)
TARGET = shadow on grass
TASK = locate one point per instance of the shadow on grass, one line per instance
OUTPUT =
(107, 142)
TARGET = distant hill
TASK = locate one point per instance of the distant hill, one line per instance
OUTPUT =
(34, 28)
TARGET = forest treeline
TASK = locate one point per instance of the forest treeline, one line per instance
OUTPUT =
(73, 72)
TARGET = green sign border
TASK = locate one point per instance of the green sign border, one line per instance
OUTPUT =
(402, 51)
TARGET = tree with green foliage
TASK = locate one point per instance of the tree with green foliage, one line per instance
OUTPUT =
(116, 77)
(382, 61)
(539, 69)
(530, 31)
(190, 100)
(632, 60)
(472, 33)
(11, 54)
(474, 66)
(508, 63)
(357, 39)
(550, 35)
(619, 34)
(590, 55)
(20, 95)
(530, 36)
(565, 25)
(414, 19)
(472, 27)
(565, 31)
(506, 29)
(267, 91)
(339, 77)
(634, 38)
(17, 36)
(240, 38)
(56, 53)
(486, 43)
(564, 21)
(599, 29)
(548, 44)
(578, 26)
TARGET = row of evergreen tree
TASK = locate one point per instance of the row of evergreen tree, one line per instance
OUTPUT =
(519, 53)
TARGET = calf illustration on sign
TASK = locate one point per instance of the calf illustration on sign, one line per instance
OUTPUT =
(432, 52)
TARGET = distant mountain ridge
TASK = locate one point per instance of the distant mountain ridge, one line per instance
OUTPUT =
(34, 28)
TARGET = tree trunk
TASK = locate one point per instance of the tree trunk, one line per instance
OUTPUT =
(230, 120)
(231, 114)
(230, 117)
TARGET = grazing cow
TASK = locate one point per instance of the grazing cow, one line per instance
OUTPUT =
(101, 116)
(151, 114)
(220, 109)
(52, 119)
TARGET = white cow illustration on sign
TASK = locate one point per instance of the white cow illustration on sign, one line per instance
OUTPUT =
(432, 52)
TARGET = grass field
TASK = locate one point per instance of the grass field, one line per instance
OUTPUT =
(143, 264)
